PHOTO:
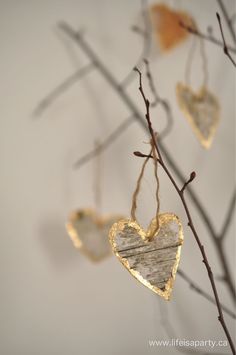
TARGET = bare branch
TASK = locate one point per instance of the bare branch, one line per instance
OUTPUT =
(124, 96)
(199, 290)
(142, 155)
(158, 100)
(188, 215)
(228, 20)
(170, 332)
(226, 51)
(146, 34)
(208, 37)
(191, 178)
(229, 216)
(61, 88)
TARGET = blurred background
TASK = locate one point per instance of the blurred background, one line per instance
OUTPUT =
(53, 299)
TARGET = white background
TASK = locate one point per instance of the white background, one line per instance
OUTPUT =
(52, 299)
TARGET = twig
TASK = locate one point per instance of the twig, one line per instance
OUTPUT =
(219, 241)
(225, 48)
(221, 254)
(188, 214)
(61, 88)
(227, 19)
(229, 216)
(103, 145)
(158, 100)
(108, 76)
(142, 155)
(170, 332)
(199, 290)
(191, 178)
(146, 34)
(205, 36)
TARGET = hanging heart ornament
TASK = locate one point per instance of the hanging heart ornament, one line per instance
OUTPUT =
(152, 261)
(166, 25)
(89, 233)
(202, 110)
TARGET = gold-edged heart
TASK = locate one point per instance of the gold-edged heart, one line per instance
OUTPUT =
(166, 25)
(89, 233)
(152, 261)
(202, 110)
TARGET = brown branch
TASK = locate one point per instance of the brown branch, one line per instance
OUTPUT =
(170, 332)
(108, 76)
(227, 275)
(208, 37)
(191, 178)
(146, 34)
(61, 88)
(229, 216)
(228, 20)
(142, 155)
(201, 292)
(188, 215)
(225, 48)
(158, 100)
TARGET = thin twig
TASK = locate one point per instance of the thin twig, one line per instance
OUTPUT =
(219, 245)
(103, 145)
(188, 215)
(225, 48)
(158, 100)
(191, 178)
(142, 155)
(170, 332)
(199, 290)
(227, 19)
(61, 88)
(146, 34)
(207, 37)
(108, 76)
(229, 216)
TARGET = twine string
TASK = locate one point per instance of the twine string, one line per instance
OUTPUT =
(154, 226)
(189, 62)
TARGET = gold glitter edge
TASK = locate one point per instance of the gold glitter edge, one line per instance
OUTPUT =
(74, 236)
(119, 226)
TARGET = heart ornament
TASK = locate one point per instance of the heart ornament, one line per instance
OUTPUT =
(202, 110)
(89, 233)
(152, 261)
(166, 25)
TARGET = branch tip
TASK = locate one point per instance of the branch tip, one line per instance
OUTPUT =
(142, 155)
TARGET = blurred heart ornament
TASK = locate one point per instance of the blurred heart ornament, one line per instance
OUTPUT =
(151, 260)
(166, 25)
(89, 233)
(201, 109)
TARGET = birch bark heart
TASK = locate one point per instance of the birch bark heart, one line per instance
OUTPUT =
(90, 233)
(201, 110)
(153, 262)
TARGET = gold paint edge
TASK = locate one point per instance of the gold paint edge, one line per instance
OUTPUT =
(75, 238)
(119, 226)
